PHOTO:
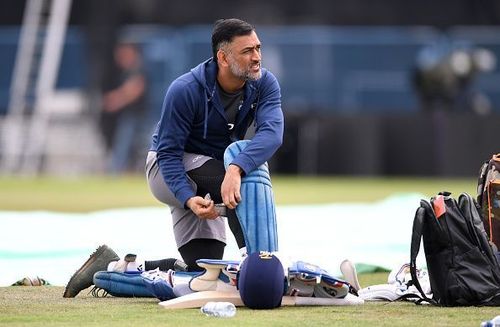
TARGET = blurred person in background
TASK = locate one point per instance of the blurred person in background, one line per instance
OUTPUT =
(444, 78)
(203, 112)
(124, 109)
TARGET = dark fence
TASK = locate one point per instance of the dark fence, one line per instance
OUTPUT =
(348, 92)
(320, 68)
(434, 144)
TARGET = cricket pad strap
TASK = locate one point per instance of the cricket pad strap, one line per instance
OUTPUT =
(256, 212)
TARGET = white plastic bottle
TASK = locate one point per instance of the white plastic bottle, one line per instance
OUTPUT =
(219, 309)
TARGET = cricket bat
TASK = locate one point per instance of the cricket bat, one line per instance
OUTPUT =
(198, 299)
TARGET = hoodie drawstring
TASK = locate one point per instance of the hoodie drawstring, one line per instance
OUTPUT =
(205, 122)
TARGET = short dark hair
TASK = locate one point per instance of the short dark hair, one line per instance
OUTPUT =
(226, 29)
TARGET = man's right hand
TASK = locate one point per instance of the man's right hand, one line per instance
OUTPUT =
(203, 208)
(230, 188)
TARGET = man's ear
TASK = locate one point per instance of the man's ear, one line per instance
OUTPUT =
(222, 58)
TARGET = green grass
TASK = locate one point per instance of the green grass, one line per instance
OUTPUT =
(44, 306)
(324, 189)
(95, 193)
(75, 194)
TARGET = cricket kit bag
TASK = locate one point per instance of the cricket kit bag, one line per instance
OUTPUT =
(488, 197)
(463, 270)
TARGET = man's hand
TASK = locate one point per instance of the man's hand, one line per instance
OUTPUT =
(230, 189)
(203, 208)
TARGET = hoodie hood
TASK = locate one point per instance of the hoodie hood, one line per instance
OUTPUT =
(206, 74)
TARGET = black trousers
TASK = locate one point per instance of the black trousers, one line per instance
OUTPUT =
(208, 179)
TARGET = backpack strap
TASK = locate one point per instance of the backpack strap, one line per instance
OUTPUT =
(418, 225)
(481, 181)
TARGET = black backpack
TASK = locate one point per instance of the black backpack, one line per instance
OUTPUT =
(463, 270)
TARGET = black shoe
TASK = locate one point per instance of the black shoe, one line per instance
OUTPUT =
(83, 277)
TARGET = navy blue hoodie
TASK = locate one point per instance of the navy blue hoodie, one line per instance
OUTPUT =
(193, 120)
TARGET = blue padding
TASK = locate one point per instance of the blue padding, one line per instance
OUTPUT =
(312, 274)
(160, 288)
(122, 284)
(256, 211)
(218, 262)
(308, 270)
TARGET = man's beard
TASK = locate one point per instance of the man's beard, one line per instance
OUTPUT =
(244, 74)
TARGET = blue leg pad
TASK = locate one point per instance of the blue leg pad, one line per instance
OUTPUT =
(122, 284)
(256, 211)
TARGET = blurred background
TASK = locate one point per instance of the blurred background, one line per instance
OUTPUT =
(377, 88)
